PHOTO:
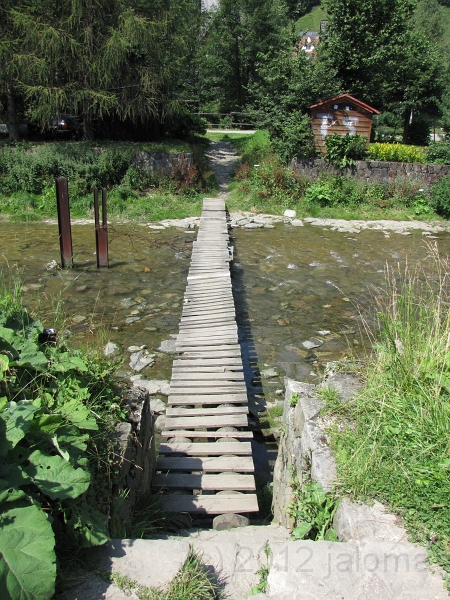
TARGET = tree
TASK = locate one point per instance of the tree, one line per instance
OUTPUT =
(9, 65)
(288, 83)
(105, 57)
(237, 32)
(380, 58)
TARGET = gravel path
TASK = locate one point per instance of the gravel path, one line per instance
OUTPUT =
(223, 160)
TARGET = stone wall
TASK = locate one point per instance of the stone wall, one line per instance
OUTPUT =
(135, 456)
(372, 171)
(303, 448)
(162, 163)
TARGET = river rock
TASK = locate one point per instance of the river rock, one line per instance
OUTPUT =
(160, 423)
(229, 521)
(312, 343)
(157, 406)
(267, 373)
(127, 302)
(78, 319)
(167, 346)
(140, 360)
(154, 386)
(130, 320)
(290, 214)
(111, 349)
(135, 348)
(51, 266)
(297, 223)
(253, 226)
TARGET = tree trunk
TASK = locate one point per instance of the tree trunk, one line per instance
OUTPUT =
(13, 129)
(88, 129)
(406, 124)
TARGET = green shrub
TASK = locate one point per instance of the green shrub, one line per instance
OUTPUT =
(293, 137)
(440, 194)
(344, 150)
(439, 152)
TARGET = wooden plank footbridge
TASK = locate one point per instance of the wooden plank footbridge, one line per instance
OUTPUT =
(207, 459)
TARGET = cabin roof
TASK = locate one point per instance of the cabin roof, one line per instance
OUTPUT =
(359, 103)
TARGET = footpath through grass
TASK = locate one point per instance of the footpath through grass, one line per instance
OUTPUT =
(396, 445)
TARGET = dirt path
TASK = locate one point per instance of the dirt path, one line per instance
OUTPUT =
(223, 160)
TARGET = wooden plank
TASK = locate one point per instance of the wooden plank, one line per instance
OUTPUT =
(210, 353)
(204, 305)
(188, 481)
(207, 464)
(222, 387)
(207, 362)
(208, 434)
(200, 329)
(205, 344)
(206, 449)
(205, 337)
(205, 369)
(209, 323)
(208, 316)
(207, 412)
(215, 421)
(198, 399)
(211, 505)
(207, 377)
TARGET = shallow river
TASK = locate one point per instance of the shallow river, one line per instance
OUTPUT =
(290, 284)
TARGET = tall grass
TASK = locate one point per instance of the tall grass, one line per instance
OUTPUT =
(397, 448)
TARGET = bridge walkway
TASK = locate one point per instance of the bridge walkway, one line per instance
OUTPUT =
(205, 462)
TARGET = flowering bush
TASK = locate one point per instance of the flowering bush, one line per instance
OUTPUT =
(397, 153)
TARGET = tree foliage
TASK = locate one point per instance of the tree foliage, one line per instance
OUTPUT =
(380, 58)
(289, 82)
(105, 58)
(238, 30)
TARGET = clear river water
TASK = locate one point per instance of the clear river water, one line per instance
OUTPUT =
(291, 284)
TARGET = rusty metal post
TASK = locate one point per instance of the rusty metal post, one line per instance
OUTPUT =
(65, 232)
(101, 231)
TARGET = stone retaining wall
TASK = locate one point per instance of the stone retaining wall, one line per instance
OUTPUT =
(303, 447)
(372, 171)
(134, 456)
(162, 163)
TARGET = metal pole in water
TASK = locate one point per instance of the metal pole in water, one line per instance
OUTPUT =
(65, 232)
(101, 231)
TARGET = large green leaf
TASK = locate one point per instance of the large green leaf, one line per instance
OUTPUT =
(45, 424)
(86, 525)
(31, 356)
(78, 414)
(66, 361)
(27, 557)
(15, 421)
(55, 477)
(7, 338)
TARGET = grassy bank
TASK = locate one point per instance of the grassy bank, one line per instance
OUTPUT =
(263, 184)
(27, 174)
(396, 445)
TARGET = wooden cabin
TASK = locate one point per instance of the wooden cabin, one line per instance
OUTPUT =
(343, 114)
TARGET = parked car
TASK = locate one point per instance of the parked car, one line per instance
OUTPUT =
(66, 126)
